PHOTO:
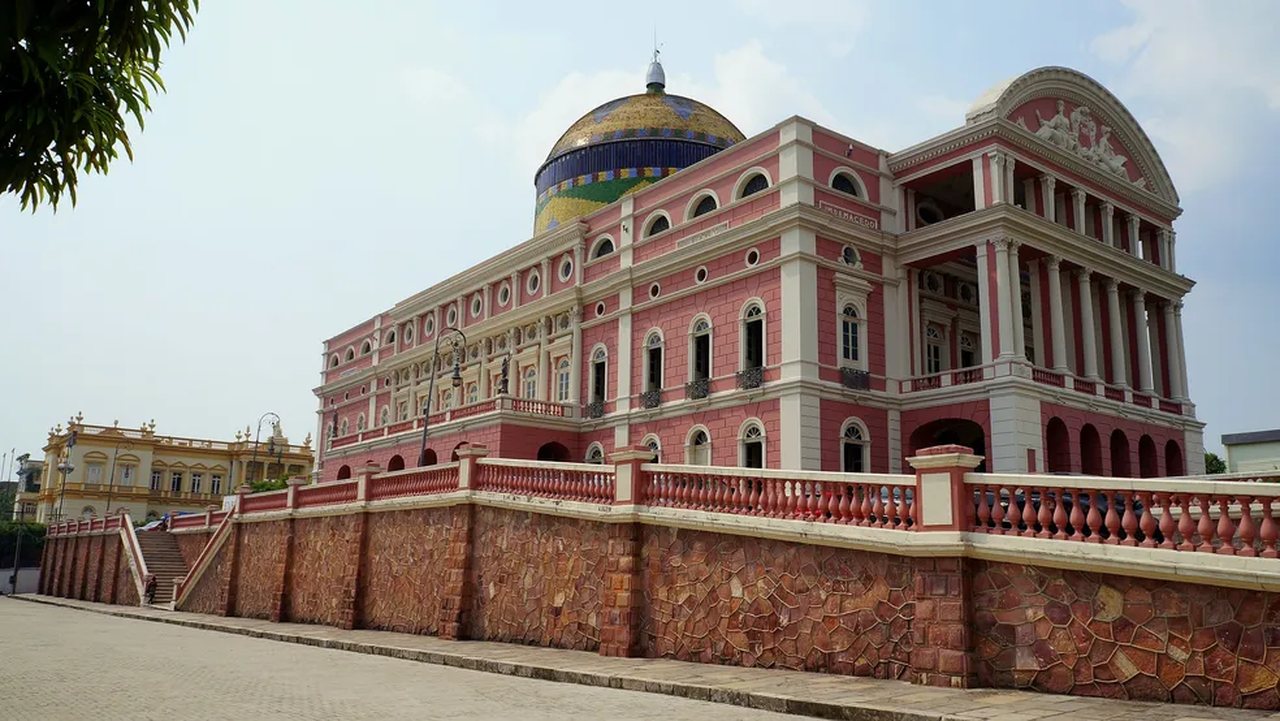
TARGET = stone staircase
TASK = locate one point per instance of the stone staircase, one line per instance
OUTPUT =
(164, 561)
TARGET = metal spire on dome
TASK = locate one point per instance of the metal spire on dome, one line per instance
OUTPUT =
(655, 80)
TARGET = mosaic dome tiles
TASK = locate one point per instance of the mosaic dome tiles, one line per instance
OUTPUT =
(649, 115)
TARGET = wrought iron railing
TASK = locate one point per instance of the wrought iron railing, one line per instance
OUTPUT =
(697, 388)
(855, 379)
(651, 398)
(751, 378)
(594, 409)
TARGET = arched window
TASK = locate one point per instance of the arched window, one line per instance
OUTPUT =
(753, 336)
(88, 512)
(360, 422)
(344, 473)
(653, 361)
(530, 382)
(334, 361)
(446, 400)
(845, 183)
(562, 380)
(854, 444)
(933, 349)
(603, 248)
(755, 184)
(698, 448)
(384, 417)
(700, 353)
(595, 453)
(391, 337)
(473, 393)
(968, 351)
(345, 427)
(396, 463)
(751, 440)
(351, 354)
(704, 206)
(655, 446)
(660, 224)
(850, 336)
(366, 348)
(599, 373)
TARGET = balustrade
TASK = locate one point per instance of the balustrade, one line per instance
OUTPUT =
(415, 482)
(325, 494)
(587, 482)
(268, 501)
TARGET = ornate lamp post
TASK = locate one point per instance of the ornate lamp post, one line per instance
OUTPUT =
(253, 464)
(456, 381)
(111, 482)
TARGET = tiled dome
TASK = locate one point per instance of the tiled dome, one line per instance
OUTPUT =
(624, 145)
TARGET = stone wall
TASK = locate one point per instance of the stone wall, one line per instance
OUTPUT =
(260, 555)
(209, 595)
(324, 551)
(190, 544)
(403, 572)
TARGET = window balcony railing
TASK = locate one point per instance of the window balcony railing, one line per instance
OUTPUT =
(651, 398)
(750, 378)
(855, 379)
(594, 409)
(697, 388)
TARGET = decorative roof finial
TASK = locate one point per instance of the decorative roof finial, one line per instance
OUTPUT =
(655, 80)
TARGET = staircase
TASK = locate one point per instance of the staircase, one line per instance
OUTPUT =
(164, 561)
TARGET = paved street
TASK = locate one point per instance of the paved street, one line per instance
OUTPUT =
(66, 665)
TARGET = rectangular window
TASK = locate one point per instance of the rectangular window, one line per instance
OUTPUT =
(196, 480)
(126, 475)
(156, 479)
(753, 454)
(933, 358)
(850, 341)
(215, 484)
(702, 357)
(755, 344)
(597, 382)
(966, 358)
(654, 381)
(175, 482)
(95, 473)
(562, 386)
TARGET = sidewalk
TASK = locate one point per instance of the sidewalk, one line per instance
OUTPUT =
(810, 694)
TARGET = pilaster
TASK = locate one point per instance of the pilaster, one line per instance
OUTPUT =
(1108, 223)
(1003, 302)
(1049, 197)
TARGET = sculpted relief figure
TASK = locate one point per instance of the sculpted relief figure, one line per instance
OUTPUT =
(1107, 157)
(1056, 130)
(1082, 123)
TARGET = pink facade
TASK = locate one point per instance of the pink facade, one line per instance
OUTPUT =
(908, 294)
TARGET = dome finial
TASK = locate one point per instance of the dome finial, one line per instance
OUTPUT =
(655, 80)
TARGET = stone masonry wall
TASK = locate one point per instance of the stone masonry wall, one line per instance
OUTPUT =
(322, 549)
(716, 598)
(207, 595)
(403, 570)
(1092, 634)
(191, 544)
(261, 563)
(538, 579)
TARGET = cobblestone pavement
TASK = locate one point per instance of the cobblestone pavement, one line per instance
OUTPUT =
(64, 665)
(263, 679)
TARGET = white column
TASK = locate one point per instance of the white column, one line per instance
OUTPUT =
(1181, 351)
(1037, 324)
(1119, 356)
(1162, 240)
(1108, 215)
(1144, 341)
(1078, 198)
(1173, 252)
(576, 361)
(1002, 297)
(1019, 342)
(995, 159)
(1134, 245)
(909, 212)
(1029, 193)
(1009, 164)
(985, 298)
(1057, 333)
(1090, 337)
(1176, 391)
(979, 184)
(1048, 197)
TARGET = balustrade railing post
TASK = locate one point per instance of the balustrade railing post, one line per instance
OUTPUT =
(468, 459)
(241, 492)
(366, 474)
(628, 480)
(291, 497)
(942, 501)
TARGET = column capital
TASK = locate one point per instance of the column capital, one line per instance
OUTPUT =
(1078, 193)
(1177, 307)
(1138, 294)
(1113, 285)
(1108, 209)
(1002, 243)
(1053, 263)
(1083, 274)
(1164, 233)
(1048, 180)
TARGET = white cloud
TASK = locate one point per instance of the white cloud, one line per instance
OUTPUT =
(945, 108)
(1222, 57)
(836, 21)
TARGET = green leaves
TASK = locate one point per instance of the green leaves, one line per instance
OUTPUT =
(71, 72)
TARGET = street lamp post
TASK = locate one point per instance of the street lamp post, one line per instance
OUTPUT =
(111, 482)
(456, 380)
(254, 463)
(66, 467)
(19, 531)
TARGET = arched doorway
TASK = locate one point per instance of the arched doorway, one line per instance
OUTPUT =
(1090, 451)
(429, 457)
(454, 455)
(344, 473)
(396, 463)
(553, 452)
(947, 431)
(1120, 466)
(1057, 446)
(1148, 463)
(1173, 465)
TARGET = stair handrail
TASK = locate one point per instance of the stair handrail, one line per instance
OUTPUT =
(185, 584)
(133, 549)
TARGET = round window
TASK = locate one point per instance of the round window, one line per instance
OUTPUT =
(700, 275)
(599, 309)
(534, 281)
(451, 318)
(477, 305)
(504, 294)
(654, 290)
(429, 325)
(566, 268)
(753, 257)
(850, 255)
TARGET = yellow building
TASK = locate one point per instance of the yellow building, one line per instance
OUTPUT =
(91, 470)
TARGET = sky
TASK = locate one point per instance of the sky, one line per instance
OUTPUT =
(310, 166)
